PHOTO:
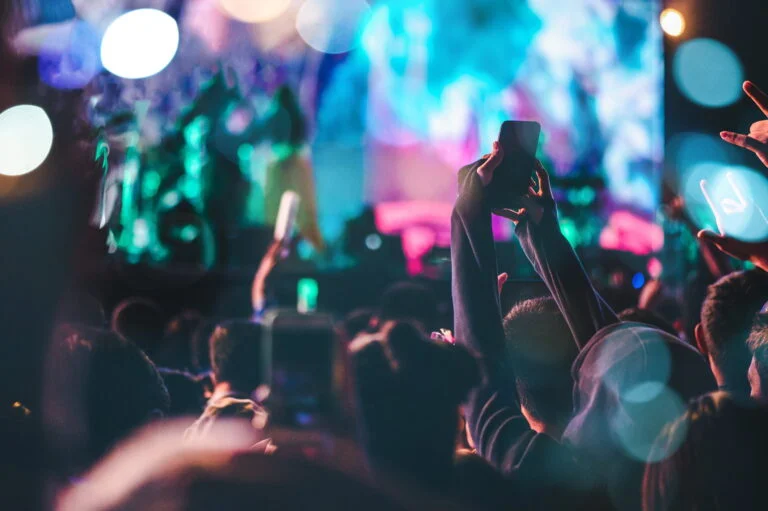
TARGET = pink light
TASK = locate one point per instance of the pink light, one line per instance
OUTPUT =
(655, 268)
(627, 231)
(417, 242)
(394, 217)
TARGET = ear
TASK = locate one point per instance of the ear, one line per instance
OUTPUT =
(698, 333)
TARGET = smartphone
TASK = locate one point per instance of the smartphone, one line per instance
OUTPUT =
(519, 140)
(304, 392)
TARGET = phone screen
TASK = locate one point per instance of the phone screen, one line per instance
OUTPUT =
(519, 140)
(303, 358)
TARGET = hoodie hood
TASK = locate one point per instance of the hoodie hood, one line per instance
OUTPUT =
(629, 381)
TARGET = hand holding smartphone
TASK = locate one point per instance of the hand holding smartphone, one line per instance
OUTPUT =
(519, 141)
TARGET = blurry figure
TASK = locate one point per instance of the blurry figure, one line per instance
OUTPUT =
(141, 321)
(201, 362)
(291, 169)
(186, 393)
(159, 472)
(175, 350)
(758, 369)
(727, 316)
(238, 363)
(648, 317)
(101, 388)
(409, 301)
(356, 322)
(542, 352)
(720, 463)
(756, 253)
(408, 391)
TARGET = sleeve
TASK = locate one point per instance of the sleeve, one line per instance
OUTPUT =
(496, 423)
(559, 267)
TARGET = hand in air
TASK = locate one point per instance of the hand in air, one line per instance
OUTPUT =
(532, 203)
(757, 138)
(756, 253)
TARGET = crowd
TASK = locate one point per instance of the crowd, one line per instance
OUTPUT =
(555, 402)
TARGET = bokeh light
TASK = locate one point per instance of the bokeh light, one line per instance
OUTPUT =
(332, 26)
(738, 195)
(647, 408)
(638, 280)
(672, 22)
(708, 73)
(686, 150)
(254, 11)
(655, 268)
(26, 138)
(140, 43)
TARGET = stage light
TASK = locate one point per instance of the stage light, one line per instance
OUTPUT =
(638, 281)
(687, 150)
(140, 43)
(373, 242)
(708, 73)
(307, 291)
(655, 268)
(26, 138)
(254, 11)
(672, 22)
(332, 26)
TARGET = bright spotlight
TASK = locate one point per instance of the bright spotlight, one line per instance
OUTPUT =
(250, 11)
(708, 73)
(140, 43)
(672, 22)
(26, 137)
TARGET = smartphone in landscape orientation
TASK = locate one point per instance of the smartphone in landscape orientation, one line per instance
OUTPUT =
(303, 385)
(519, 140)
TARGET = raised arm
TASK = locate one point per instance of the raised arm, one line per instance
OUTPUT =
(559, 267)
(498, 428)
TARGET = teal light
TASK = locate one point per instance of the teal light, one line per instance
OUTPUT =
(307, 291)
(189, 233)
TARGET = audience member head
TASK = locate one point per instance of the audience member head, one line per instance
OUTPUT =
(141, 321)
(758, 369)
(201, 360)
(727, 315)
(543, 350)
(175, 350)
(409, 301)
(357, 322)
(186, 393)
(102, 388)
(720, 463)
(408, 390)
(648, 317)
(238, 357)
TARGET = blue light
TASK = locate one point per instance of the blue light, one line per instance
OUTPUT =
(708, 72)
(71, 60)
(638, 281)
(373, 241)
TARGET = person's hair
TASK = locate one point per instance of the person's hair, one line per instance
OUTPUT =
(407, 395)
(185, 391)
(175, 350)
(720, 462)
(141, 321)
(108, 384)
(758, 346)
(237, 355)
(542, 351)
(637, 315)
(727, 315)
(409, 301)
(357, 322)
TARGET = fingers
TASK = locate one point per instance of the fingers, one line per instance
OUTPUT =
(501, 279)
(758, 96)
(730, 246)
(485, 171)
(750, 143)
(515, 215)
(545, 187)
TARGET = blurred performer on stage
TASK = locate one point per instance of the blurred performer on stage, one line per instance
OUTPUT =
(291, 168)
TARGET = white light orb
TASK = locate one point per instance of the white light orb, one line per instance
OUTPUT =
(26, 138)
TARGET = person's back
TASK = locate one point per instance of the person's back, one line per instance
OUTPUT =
(238, 359)
(715, 458)
(101, 388)
(408, 390)
(727, 316)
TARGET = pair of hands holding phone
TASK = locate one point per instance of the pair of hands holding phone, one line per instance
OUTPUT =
(531, 205)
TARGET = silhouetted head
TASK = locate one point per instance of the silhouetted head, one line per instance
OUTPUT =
(141, 321)
(409, 301)
(648, 317)
(237, 355)
(720, 463)
(727, 315)
(542, 350)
